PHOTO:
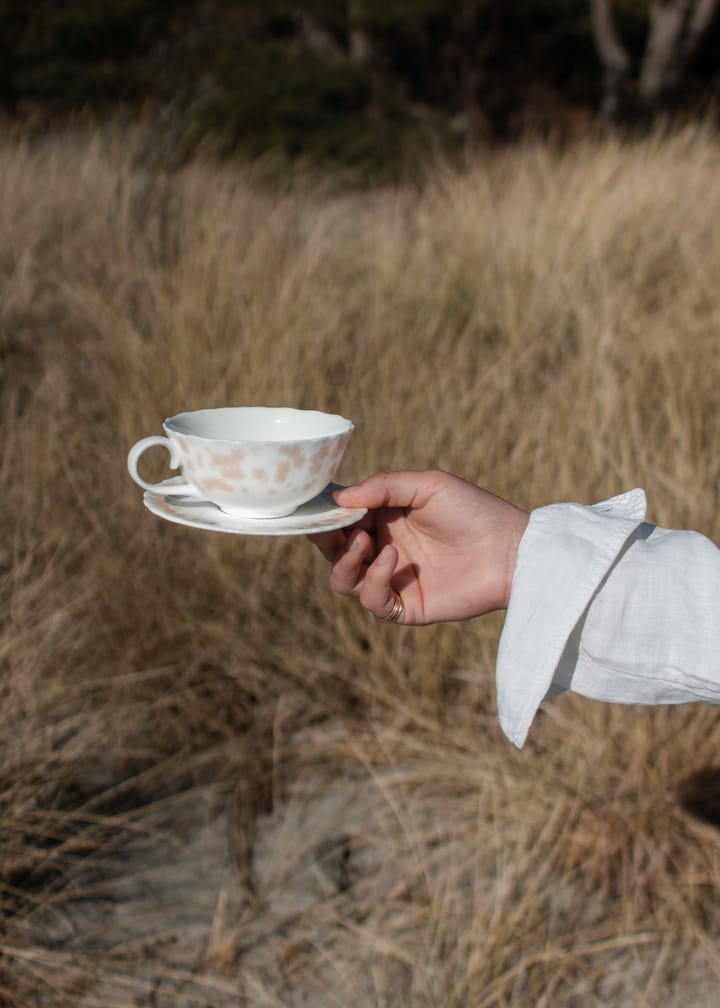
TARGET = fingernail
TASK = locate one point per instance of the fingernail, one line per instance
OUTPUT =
(384, 556)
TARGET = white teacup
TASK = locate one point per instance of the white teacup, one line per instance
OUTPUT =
(251, 461)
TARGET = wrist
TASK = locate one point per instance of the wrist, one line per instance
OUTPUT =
(516, 532)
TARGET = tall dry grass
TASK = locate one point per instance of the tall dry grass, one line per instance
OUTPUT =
(219, 784)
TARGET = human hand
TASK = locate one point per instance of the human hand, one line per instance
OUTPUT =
(446, 547)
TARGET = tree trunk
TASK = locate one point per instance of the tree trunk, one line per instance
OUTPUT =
(359, 44)
(660, 73)
(614, 58)
(676, 30)
(319, 40)
(700, 20)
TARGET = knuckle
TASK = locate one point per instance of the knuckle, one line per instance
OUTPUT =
(372, 595)
(342, 580)
(339, 584)
(367, 597)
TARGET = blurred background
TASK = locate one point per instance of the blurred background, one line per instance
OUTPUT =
(485, 232)
(367, 83)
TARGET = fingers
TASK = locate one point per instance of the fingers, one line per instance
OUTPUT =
(357, 572)
(329, 543)
(375, 591)
(350, 564)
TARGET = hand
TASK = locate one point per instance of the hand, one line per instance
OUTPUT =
(445, 546)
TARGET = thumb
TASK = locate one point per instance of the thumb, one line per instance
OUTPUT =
(388, 489)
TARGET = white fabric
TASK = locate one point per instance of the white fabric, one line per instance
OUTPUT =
(608, 606)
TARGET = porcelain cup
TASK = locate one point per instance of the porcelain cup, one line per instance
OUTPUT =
(251, 461)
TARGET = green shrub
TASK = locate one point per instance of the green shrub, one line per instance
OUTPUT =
(291, 102)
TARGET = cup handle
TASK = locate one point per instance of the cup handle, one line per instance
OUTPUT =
(159, 488)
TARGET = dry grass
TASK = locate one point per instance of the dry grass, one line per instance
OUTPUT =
(219, 784)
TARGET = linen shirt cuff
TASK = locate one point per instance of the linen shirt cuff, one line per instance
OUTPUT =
(565, 554)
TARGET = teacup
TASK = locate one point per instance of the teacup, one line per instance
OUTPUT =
(251, 461)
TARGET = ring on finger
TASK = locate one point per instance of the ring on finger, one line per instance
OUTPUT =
(395, 613)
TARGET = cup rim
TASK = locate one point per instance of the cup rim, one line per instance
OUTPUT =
(174, 424)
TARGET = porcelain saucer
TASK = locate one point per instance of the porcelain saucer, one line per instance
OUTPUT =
(321, 514)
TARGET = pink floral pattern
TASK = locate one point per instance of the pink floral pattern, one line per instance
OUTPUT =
(243, 475)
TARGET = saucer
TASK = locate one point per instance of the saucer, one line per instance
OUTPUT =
(321, 514)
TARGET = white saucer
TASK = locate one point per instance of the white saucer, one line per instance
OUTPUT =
(321, 514)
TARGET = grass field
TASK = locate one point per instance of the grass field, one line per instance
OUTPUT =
(219, 783)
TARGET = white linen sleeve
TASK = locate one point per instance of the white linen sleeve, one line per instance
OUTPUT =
(608, 606)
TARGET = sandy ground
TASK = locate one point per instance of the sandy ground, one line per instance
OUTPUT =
(173, 920)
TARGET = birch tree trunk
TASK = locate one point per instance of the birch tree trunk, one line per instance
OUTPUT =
(615, 60)
(660, 72)
(677, 28)
(359, 43)
(700, 20)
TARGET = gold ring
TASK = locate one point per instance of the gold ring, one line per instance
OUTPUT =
(395, 613)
